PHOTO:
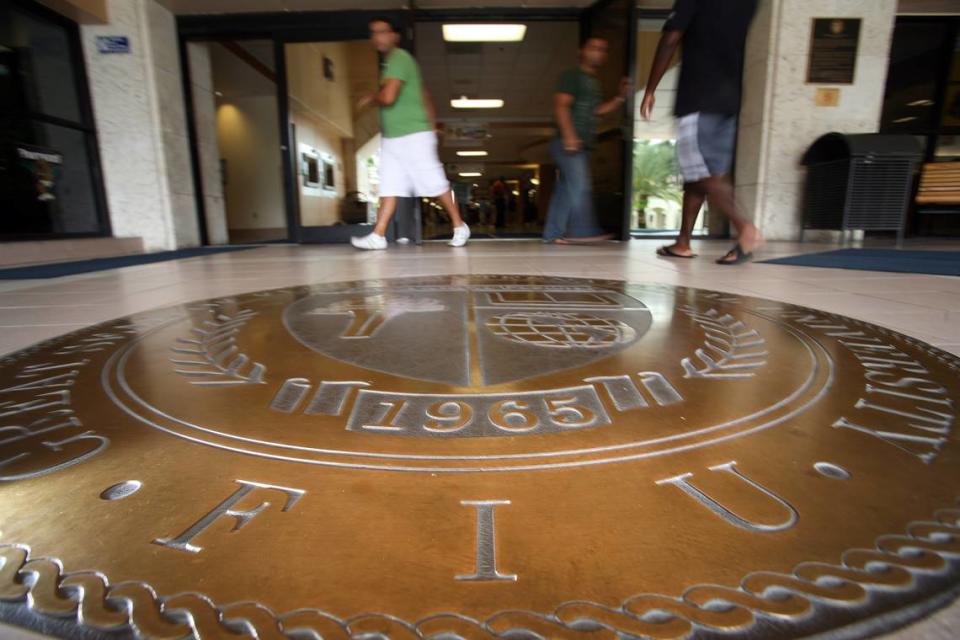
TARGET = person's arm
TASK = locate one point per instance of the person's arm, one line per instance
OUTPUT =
(666, 49)
(680, 18)
(562, 110)
(616, 101)
(389, 91)
(385, 96)
(396, 72)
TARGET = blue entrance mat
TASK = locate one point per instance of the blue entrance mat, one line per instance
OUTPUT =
(59, 269)
(941, 263)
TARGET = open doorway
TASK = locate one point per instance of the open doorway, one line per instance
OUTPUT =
(657, 196)
(235, 108)
(497, 158)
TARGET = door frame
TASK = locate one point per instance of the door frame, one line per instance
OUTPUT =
(630, 64)
(280, 29)
(318, 26)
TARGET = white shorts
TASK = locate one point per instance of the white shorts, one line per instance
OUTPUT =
(410, 166)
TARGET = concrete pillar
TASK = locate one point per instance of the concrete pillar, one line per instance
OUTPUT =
(205, 117)
(141, 124)
(780, 119)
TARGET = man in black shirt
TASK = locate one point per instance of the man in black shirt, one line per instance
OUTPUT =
(713, 33)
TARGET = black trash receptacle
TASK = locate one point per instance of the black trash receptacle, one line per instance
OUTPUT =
(859, 181)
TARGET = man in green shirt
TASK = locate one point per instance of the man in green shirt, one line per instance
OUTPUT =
(409, 164)
(577, 103)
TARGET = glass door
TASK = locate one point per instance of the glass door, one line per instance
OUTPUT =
(615, 21)
(49, 168)
(333, 146)
(280, 151)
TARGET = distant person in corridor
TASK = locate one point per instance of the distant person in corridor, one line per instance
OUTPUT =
(577, 103)
(713, 34)
(498, 191)
(409, 164)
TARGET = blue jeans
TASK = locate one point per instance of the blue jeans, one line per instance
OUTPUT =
(571, 207)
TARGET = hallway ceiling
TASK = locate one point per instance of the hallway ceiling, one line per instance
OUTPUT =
(523, 74)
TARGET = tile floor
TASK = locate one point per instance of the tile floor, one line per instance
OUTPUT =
(926, 307)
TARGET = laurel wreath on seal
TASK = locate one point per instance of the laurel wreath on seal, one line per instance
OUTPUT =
(730, 349)
(928, 547)
(211, 356)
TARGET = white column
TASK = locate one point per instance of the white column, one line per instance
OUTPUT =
(141, 126)
(779, 119)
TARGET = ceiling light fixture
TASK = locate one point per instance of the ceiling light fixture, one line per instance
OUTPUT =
(484, 32)
(464, 102)
(472, 154)
(470, 174)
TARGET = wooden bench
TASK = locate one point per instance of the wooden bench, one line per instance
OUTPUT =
(938, 193)
(939, 183)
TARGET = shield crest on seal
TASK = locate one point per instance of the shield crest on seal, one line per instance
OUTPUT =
(469, 335)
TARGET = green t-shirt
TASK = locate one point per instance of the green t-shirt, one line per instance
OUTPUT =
(585, 89)
(407, 114)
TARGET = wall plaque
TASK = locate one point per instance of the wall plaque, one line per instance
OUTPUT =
(833, 50)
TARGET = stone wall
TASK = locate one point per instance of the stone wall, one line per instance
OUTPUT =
(780, 119)
(141, 124)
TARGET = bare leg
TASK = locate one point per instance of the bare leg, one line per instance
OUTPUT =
(388, 207)
(720, 192)
(446, 200)
(693, 196)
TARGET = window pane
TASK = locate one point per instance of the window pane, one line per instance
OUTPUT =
(46, 185)
(39, 63)
(915, 58)
(951, 107)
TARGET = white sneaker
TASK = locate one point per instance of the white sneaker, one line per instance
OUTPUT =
(460, 236)
(403, 240)
(372, 242)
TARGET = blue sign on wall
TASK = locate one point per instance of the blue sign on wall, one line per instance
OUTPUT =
(113, 44)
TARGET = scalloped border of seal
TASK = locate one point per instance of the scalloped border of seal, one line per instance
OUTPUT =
(923, 559)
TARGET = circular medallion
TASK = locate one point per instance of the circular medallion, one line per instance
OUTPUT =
(479, 457)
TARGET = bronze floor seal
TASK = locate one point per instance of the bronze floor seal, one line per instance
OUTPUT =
(478, 457)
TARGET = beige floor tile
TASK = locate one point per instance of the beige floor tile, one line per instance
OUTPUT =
(946, 300)
(951, 348)
(944, 326)
(16, 338)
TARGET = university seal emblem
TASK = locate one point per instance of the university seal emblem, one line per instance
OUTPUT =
(478, 457)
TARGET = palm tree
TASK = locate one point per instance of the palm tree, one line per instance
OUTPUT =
(655, 174)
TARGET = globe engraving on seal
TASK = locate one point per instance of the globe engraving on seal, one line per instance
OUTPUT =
(479, 457)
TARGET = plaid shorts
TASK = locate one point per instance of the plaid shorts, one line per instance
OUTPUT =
(705, 143)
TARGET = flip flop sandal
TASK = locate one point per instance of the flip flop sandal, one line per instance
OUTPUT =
(739, 256)
(667, 252)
